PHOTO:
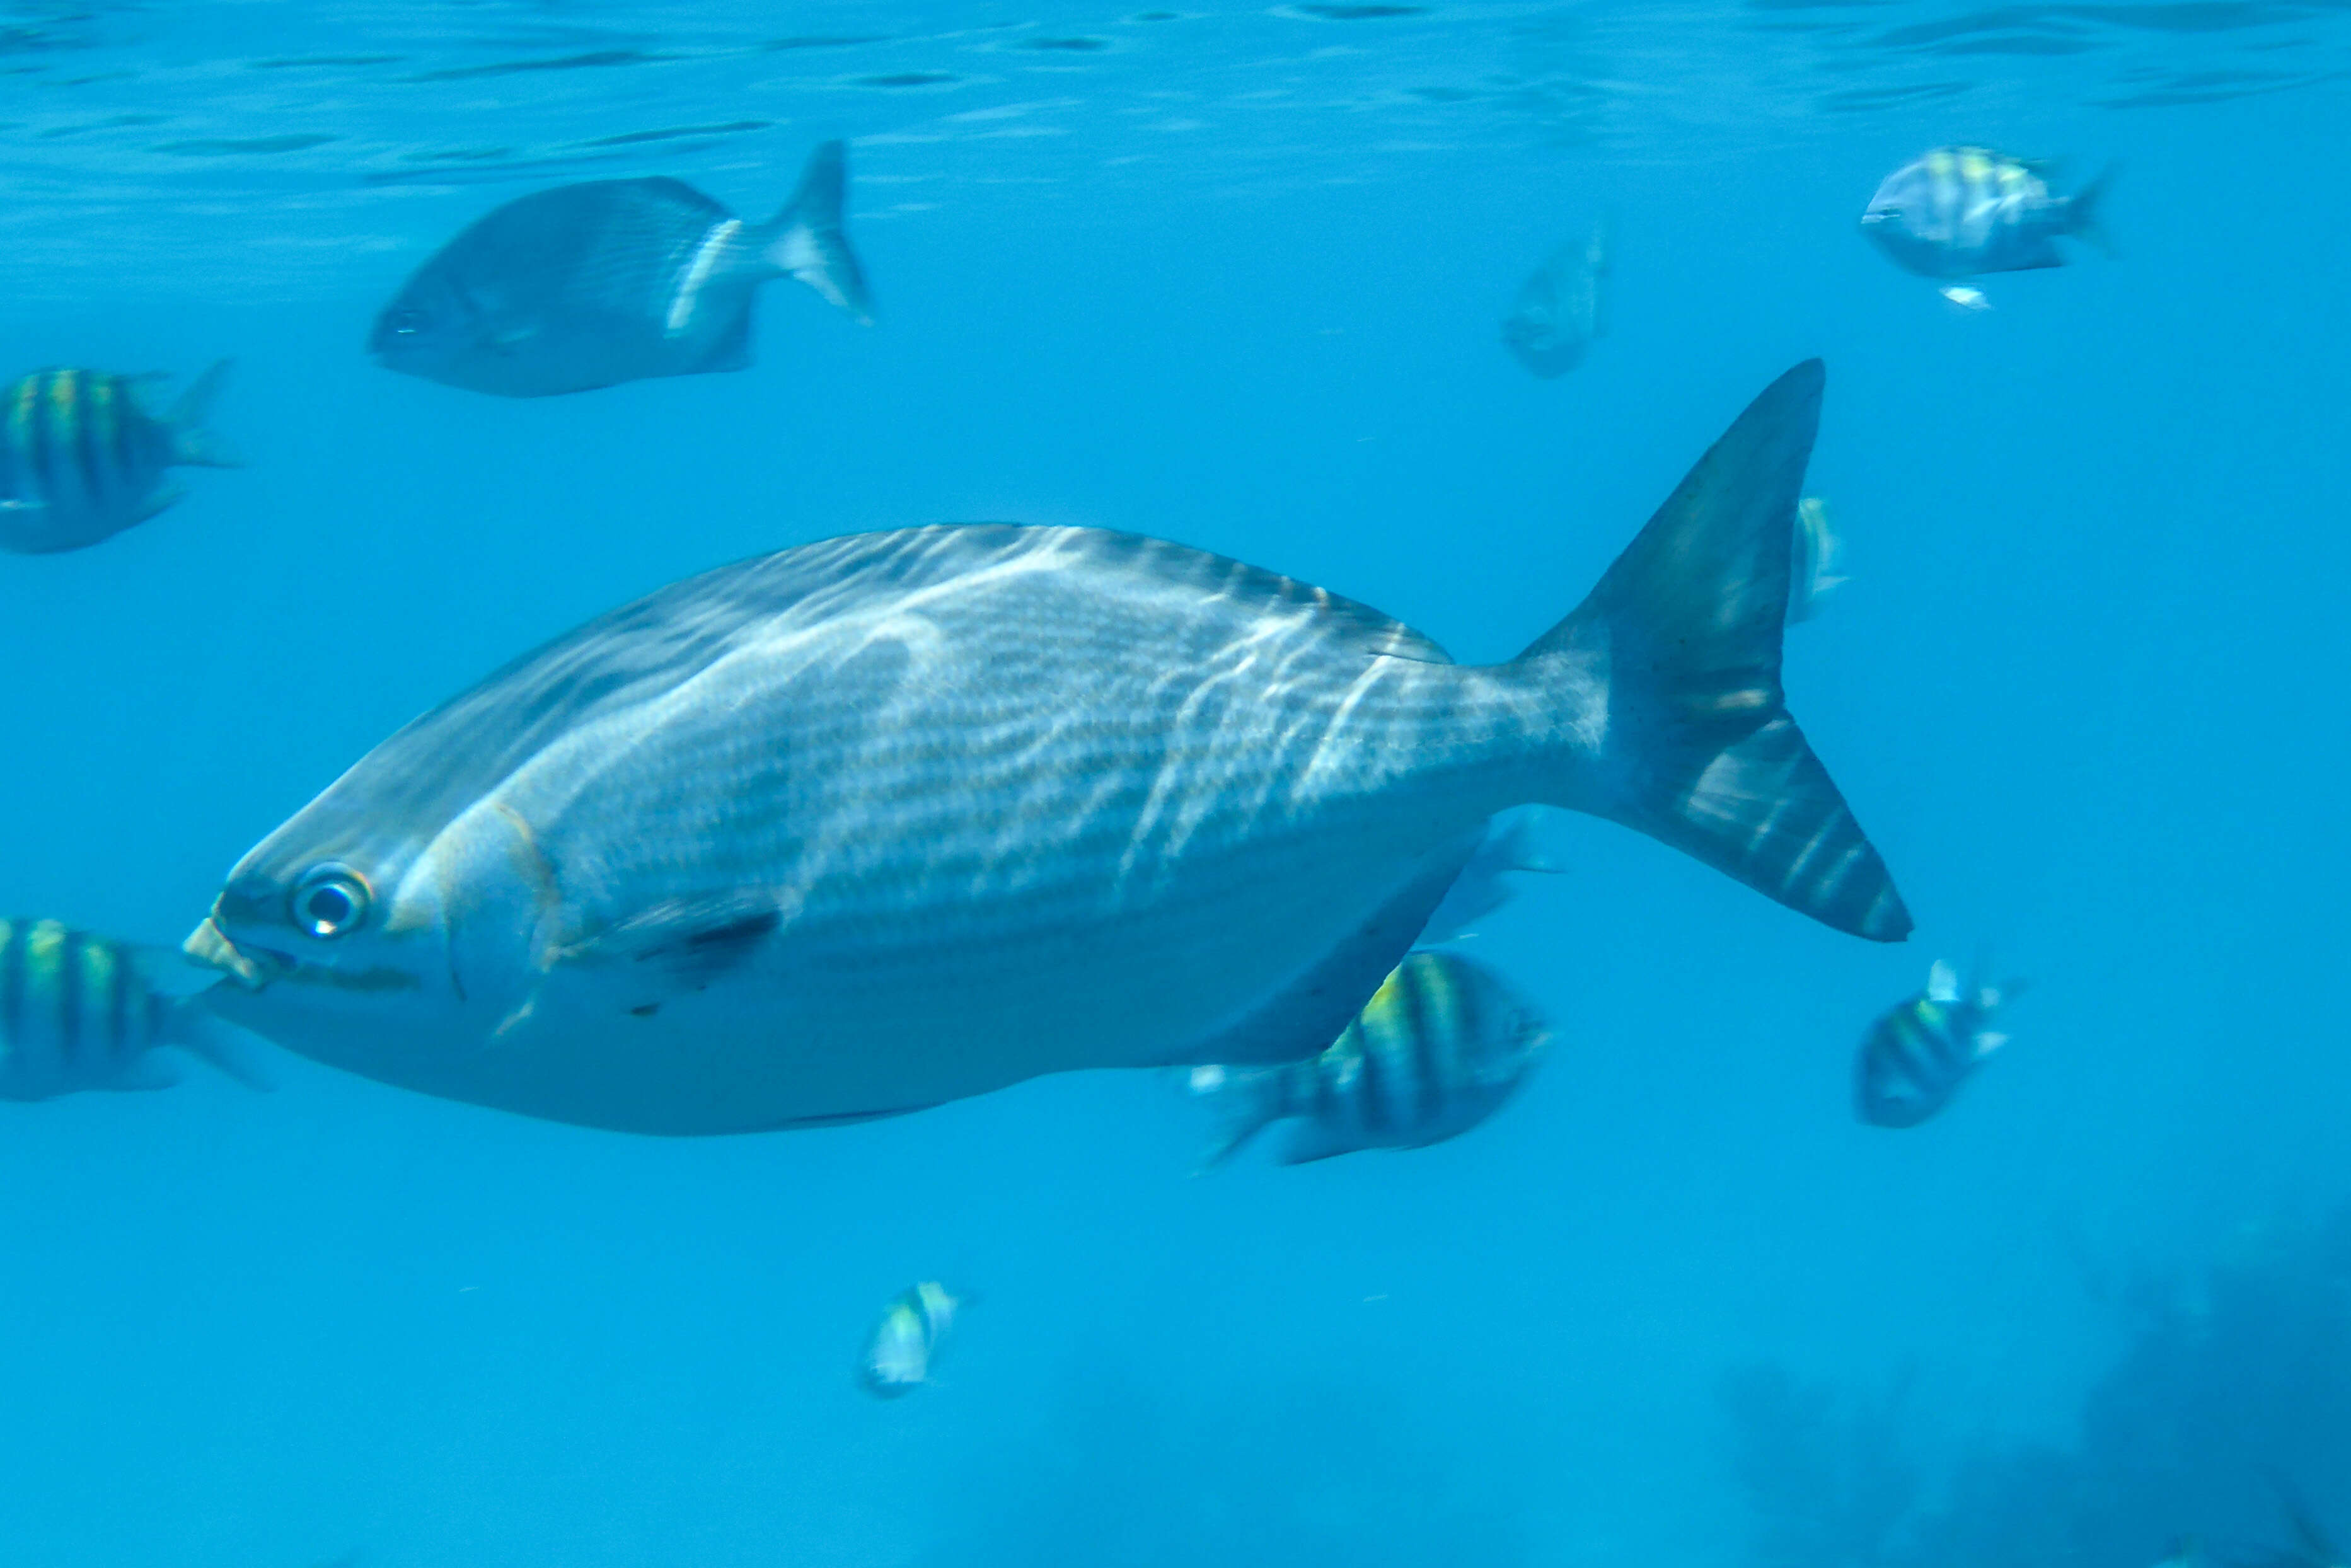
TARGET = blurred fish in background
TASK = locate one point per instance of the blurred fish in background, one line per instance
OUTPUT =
(1512, 845)
(81, 1011)
(81, 459)
(1915, 1058)
(1559, 309)
(905, 1341)
(1818, 553)
(1441, 1045)
(1955, 211)
(2313, 1547)
(587, 285)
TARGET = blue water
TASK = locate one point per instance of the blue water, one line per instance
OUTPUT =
(1234, 277)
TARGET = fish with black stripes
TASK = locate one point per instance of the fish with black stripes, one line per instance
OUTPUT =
(892, 819)
(1917, 1055)
(906, 1340)
(1439, 1048)
(83, 1011)
(591, 285)
(1957, 211)
(82, 458)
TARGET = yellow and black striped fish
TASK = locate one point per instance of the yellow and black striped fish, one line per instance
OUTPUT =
(1917, 1055)
(905, 1343)
(1440, 1047)
(81, 459)
(81, 1011)
(1957, 212)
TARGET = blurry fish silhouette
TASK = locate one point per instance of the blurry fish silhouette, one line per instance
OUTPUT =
(1964, 298)
(1812, 574)
(1440, 1047)
(614, 280)
(2313, 1547)
(81, 460)
(79, 1011)
(1559, 309)
(1512, 843)
(1915, 1058)
(906, 1341)
(1959, 211)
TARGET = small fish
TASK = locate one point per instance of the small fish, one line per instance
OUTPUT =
(1915, 1058)
(1512, 843)
(1813, 575)
(1959, 211)
(614, 280)
(1440, 1047)
(79, 1011)
(905, 1343)
(1966, 299)
(1560, 309)
(81, 459)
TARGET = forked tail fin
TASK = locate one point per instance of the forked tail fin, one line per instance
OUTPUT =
(806, 239)
(1698, 750)
(192, 443)
(2083, 218)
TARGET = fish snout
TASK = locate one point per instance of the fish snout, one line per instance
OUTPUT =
(253, 968)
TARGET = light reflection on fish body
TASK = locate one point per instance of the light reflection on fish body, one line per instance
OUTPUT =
(892, 819)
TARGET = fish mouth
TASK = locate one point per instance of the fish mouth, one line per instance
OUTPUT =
(252, 967)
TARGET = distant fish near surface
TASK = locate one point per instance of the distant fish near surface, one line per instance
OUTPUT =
(1957, 212)
(81, 459)
(1818, 554)
(888, 819)
(79, 1011)
(905, 1341)
(1915, 1058)
(1512, 845)
(614, 280)
(1964, 297)
(1440, 1047)
(1559, 309)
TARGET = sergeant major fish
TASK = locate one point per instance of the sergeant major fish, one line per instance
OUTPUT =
(1917, 1055)
(905, 1341)
(892, 819)
(81, 459)
(1560, 311)
(1440, 1047)
(1957, 212)
(614, 280)
(80, 1012)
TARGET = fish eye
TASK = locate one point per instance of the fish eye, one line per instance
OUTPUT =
(330, 901)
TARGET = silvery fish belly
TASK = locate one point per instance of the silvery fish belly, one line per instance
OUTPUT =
(888, 819)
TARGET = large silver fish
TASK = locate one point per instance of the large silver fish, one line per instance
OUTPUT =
(884, 820)
(614, 280)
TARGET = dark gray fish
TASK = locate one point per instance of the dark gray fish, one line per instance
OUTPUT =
(1915, 1058)
(888, 819)
(80, 1012)
(906, 1341)
(1440, 1047)
(81, 459)
(1560, 309)
(614, 280)
(1957, 212)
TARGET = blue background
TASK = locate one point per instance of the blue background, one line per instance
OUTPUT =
(2085, 691)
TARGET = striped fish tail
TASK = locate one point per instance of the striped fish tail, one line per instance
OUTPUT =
(1248, 1099)
(808, 240)
(192, 444)
(1700, 750)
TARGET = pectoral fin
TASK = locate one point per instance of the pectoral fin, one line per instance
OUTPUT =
(690, 942)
